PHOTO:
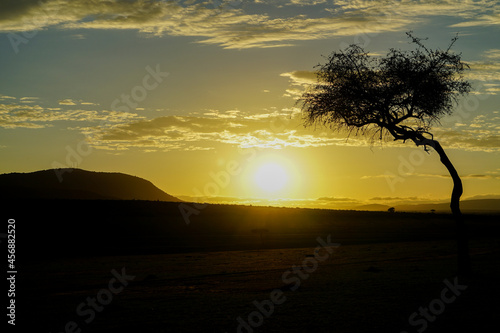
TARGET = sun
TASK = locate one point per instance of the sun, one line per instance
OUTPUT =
(271, 177)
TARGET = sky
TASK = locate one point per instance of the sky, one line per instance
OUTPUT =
(199, 97)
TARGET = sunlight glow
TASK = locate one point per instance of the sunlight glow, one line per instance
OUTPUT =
(271, 177)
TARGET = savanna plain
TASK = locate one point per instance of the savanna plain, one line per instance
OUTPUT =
(140, 266)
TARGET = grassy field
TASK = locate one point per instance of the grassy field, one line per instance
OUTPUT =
(387, 267)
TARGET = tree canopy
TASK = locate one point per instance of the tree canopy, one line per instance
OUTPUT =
(402, 94)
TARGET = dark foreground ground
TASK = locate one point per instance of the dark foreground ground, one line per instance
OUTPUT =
(140, 268)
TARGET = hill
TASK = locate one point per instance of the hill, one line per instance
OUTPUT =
(79, 184)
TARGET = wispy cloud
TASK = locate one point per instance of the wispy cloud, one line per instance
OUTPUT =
(334, 199)
(467, 10)
(301, 78)
(427, 175)
(394, 198)
(481, 133)
(275, 130)
(231, 25)
(492, 54)
(486, 71)
(71, 102)
(484, 196)
(28, 100)
(67, 102)
(5, 97)
(35, 116)
(491, 18)
(299, 81)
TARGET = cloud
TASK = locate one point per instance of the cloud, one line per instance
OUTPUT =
(229, 24)
(457, 8)
(264, 31)
(79, 36)
(492, 54)
(487, 143)
(28, 100)
(35, 116)
(306, 2)
(275, 130)
(483, 20)
(481, 133)
(12, 9)
(484, 196)
(294, 93)
(5, 97)
(394, 198)
(486, 71)
(336, 199)
(471, 176)
(301, 78)
(300, 81)
(384, 176)
(67, 102)
(427, 175)
(480, 177)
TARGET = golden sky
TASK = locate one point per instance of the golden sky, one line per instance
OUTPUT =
(199, 97)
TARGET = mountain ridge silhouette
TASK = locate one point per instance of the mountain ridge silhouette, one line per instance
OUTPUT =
(79, 184)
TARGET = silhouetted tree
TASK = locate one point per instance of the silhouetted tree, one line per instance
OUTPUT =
(391, 210)
(400, 95)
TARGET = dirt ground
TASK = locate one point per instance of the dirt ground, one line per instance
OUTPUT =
(356, 288)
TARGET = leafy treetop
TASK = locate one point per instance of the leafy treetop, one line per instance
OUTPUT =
(402, 94)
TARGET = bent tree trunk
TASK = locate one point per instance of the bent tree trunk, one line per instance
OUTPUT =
(464, 265)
